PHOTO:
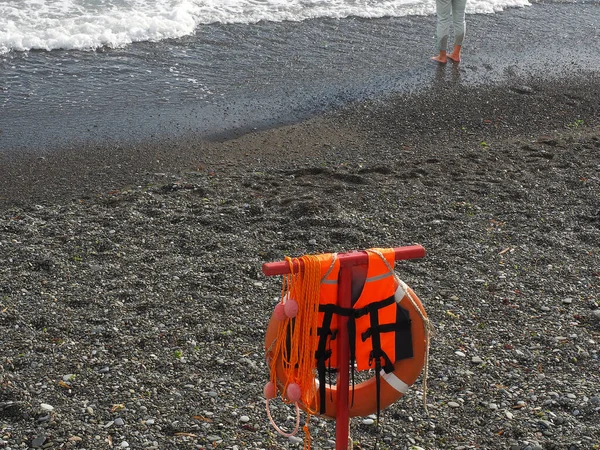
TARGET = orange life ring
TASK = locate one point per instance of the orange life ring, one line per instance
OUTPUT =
(393, 385)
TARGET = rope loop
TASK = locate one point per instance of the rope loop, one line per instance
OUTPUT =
(279, 430)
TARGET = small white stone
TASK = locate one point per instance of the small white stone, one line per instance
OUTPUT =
(46, 407)
(124, 444)
(244, 419)
(453, 405)
(459, 353)
(368, 421)
(295, 440)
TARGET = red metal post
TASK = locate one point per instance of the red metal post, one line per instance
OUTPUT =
(342, 419)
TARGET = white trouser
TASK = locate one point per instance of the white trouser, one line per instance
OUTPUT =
(450, 11)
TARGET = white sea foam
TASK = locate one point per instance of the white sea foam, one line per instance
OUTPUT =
(89, 24)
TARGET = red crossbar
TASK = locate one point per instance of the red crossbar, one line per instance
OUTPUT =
(354, 258)
(347, 261)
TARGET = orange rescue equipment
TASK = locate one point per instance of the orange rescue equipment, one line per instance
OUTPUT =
(388, 331)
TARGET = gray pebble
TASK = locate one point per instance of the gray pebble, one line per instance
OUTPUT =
(295, 440)
(38, 441)
(523, 89)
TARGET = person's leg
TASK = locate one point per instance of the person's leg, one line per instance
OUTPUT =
(459, 26)
(444, 19)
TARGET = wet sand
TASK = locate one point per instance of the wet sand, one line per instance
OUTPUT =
(448, 115)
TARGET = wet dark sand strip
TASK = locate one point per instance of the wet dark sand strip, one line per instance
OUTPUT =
(446, 117)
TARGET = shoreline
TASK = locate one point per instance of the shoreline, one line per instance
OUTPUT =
(446, 114)
(313, 67)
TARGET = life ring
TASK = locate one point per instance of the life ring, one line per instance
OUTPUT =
(393, 385)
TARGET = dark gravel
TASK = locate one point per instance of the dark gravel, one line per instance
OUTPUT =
(133, 306)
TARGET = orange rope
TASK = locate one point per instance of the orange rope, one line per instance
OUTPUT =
(298, 357)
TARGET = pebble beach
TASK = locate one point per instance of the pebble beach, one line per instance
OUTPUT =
(133, 314)
(133, 307)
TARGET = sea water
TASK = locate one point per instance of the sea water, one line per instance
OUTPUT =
(90, 24)
(76, 72)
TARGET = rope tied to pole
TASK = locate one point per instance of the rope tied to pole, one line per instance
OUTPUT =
(296, 344)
